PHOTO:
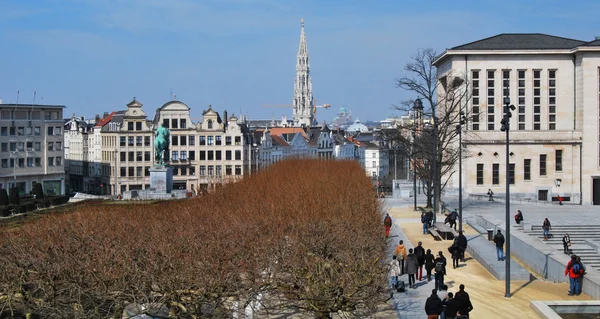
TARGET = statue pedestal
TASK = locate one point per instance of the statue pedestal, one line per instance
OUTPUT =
(161, 179)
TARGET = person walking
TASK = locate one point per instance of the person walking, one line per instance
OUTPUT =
(462, 245)
(546, 227)
(430, 217)
(583, 273)
(499, 241)
(574, 271)
(433, 306)
(411, 268)
(394, 271)
(454, 253)
(451, 219)
(443, 295)
(518, 217)
(490, 194)
(463, 301)
(425, 222)
(429, 263)
(401, 255)
(450, 307)
(387, 222)
(440, 270)
(566, 240)
(420, 253)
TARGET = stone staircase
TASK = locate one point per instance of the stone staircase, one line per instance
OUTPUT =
(585, 240)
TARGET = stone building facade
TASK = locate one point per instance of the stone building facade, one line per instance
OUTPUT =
(31, 141)
(554, 85)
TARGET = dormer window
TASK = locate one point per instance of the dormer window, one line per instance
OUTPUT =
(210, 124)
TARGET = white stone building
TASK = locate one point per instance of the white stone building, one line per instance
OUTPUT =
(554, 84)
(31, 140)
(303, 113)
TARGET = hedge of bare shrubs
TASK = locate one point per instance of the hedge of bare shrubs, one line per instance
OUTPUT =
(302, 235)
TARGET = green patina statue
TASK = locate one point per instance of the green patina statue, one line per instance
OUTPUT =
(161, 145)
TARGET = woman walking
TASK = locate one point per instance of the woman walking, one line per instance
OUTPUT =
(546, 227)
(429, 264)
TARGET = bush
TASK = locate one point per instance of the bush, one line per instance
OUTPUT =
(38, 192)
(3, 197)
(13, 196)
(282, 233)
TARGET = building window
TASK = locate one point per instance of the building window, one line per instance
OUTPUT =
(38, 162)
(130, 126)
(4, 131)
(51, 146)
(218, 170)
(50, 130)
(57, 130)
(521, 97)
(552, 100)
(479, 174)
(138, 171)
(4, 147)
(542, 164)
(238, 170)
(20, 131)
(22, 162)
(228, 155)
(210, 140)
(50, 161)
(227, 140)
(131, 156)
(146, 140)
(138, 127)
(202, 170)
(192, 139)
(173, 123)
(527, 169)
(558, 160)
(192, 155)
(475, 101)
(131, 171)
(202, 140)
(537, 99)
(193, 170)
(166, 123)
(228, 170)
(147, 156)
(138, 156)
(123, 156)
(123, 140)
(29, 130)
(37, 130)
(238, 155)
(218, 140)
(123, 172)
(506, 83)
(238, 140)
(218, 155)
(211, 155)
(37, 146)
(496, 174)
(5, 163)
(203, 155)
(130, 140)
(183, 170)
(57, 146)
(147, 172)
(183, 155)
(491, 100)
(211, 170)
(511, 173)
(210, 124)
(30, 162)
(183, 140)
(138, 141)
(182, 123)
(174, 156)
(21, 146)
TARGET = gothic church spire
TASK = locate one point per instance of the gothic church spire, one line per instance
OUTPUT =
(303, 98)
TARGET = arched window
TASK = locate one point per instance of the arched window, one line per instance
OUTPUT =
(210, 124)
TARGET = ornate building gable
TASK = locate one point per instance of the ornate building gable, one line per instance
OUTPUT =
(174, 115)
(211, 121)
(134, 118)
(233, 128)
(303, 101)
(299, 142)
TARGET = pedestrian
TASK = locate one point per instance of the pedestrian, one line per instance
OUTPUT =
(401, 255)
(429, 263)
(583, 273)
(519, 217)
(560, 200)
(430, 217)
(450, 307)
(462, 245)
(451, 219)
(454, 253)
(425, 222)
(411, 268)
(566, 240)
(499, 241)
(433, 306)
(574, 271)
(420, 253)
(546, 227)
(394, 271)
(440, 270)
(387, 222)
(463, 301)
(443, 293)
(490, 194)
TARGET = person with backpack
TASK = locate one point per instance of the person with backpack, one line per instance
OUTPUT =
(455, 253)
(400, 254)
(566, 240)
(518, 217)
(387, 222)
(425, 222)
(440, 270)
(462, 242)
(574, 270)
(394, 271)
(411, 268)
(546, 227)
(583, 273)
(420, 253)
(451, 219)
(499, 241)
(429, 263)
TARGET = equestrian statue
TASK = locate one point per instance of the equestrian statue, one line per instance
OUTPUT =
(162, 139)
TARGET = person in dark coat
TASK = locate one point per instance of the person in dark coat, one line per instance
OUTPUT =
(463, 301)
(566, 243)
(499, 241)
(411, 268)
(430, 218)
(450, 307)
(433, 306)
(440, 270)
(455, 253)
(519, 217)
(462, 245)
(546, 226)
(425, 222)
(429, 263)
(420, 253)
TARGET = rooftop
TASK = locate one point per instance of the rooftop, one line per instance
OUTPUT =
(521, 41)
(29, 106)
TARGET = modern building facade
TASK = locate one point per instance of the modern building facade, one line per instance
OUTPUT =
(554, 83)
(31, 141)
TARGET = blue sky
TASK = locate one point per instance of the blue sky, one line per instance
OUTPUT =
(96, 55)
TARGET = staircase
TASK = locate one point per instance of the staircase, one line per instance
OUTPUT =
(579, 234)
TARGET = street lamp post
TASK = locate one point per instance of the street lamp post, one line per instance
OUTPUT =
(506, 128)
(461, 122)
(414, 136)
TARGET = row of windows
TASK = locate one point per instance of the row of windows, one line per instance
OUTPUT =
(22, 130)
(130, 126)
(181, 140)
(29, 115)
(205, 170)
(134, 140)
(30, 162)
(526, 169)
(29, 146)
(182, 155)
(176, 123)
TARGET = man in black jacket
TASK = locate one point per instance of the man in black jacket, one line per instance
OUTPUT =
(450, 307)
(462, 244)
(433, 305)
(420, 253)
(440, 270)
(463, 301)
(499, 241)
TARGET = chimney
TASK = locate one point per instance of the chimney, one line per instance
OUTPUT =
(97, 118)
(226, 118)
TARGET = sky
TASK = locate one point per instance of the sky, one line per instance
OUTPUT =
(94, 56)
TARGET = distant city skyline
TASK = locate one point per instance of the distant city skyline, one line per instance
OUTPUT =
(95, 56)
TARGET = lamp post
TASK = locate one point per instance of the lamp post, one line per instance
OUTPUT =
(414, 136)
(506, 128)
(461, 122)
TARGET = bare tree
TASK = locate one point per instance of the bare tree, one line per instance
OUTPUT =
(433, 147)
